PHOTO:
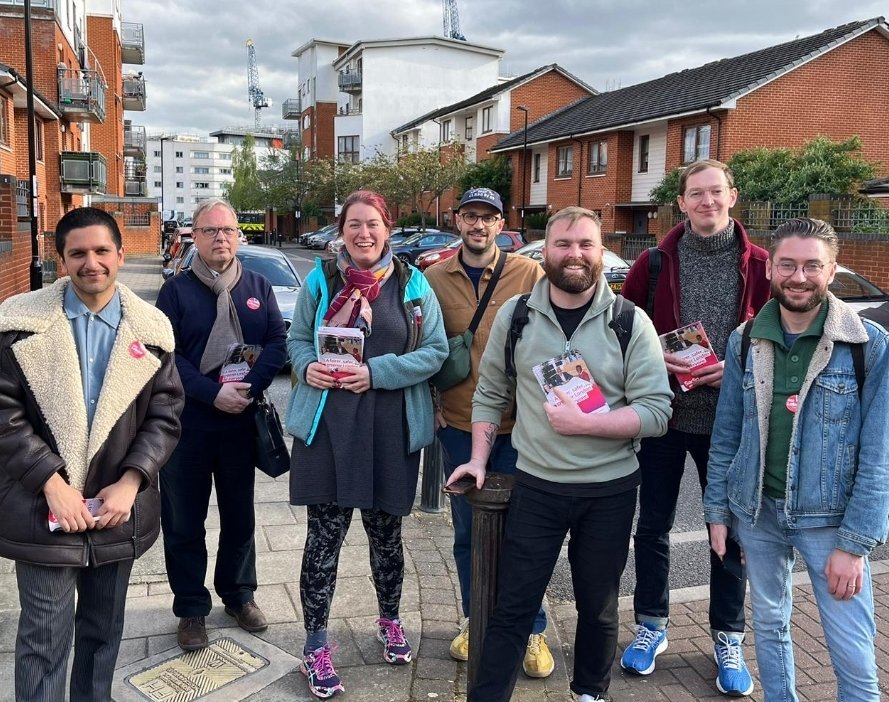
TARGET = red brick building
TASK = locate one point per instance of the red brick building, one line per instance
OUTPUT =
(76, 83)
(609, 150)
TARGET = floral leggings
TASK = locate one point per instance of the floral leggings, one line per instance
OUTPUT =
(328, 524)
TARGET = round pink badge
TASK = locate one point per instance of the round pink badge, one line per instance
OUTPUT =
(137, 350)
(253, 303)
(792, 403)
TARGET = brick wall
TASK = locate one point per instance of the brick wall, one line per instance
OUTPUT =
(138, 239)
(326, 143)
(107, 138)
(15, 243)
(542, 96)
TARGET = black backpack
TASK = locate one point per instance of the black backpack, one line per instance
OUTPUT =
(623, 314)
(655, 263)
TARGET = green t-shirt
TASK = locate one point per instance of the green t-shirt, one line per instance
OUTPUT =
(791, 365)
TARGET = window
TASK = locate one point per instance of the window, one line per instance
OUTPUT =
(38, 138)
(468, 133)
(565, 162)
(201, 170)
(157, 169)
(347, 149)
(179, 169)
(446, 130)
(598, 158)
(4, 120)
(180, 184)
(224, 157)
(696, 143)
(404, 142)
(180, 201)
(486, 120)
(179, 154)
(202, 186)
(643, 153)
(157, 154)
(536, 168)
(200, 154)
(158, 184)
(225, 171)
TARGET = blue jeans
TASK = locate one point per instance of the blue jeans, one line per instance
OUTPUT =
(456, 449)
(662, 463)
(849, 627)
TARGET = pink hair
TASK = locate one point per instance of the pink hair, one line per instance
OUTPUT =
(366, 197)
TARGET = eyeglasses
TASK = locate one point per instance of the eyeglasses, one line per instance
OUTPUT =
(810, 270)
(471, 218)
(697, 195)
(211, 232)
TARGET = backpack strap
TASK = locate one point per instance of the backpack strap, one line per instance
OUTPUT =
(745, 343)
(655, 263)
(622, 315)
(516, 326)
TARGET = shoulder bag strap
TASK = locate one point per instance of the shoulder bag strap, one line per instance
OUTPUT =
(489, 291)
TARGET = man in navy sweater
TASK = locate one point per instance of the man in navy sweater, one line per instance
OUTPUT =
(212, 306)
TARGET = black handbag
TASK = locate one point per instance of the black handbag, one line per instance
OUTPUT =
(272, 456)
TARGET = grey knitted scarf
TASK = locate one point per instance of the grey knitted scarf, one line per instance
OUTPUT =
(227, 327)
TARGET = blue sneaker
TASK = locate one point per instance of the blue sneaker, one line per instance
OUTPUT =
(733, 678)
(639, 656)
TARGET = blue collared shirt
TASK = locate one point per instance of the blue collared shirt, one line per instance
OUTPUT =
(94, 336)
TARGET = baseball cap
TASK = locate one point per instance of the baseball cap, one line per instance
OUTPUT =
(485, 195)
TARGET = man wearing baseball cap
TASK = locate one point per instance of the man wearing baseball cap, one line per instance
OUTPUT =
(460, 282)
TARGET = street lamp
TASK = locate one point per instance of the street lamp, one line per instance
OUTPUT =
(523, 108)
(36, 270)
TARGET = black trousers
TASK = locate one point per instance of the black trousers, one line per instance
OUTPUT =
(662, 462)
(48, 620)
(536, 527)
(200, 460)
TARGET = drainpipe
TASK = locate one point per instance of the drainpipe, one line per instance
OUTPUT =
(579, 168)
(718, 131)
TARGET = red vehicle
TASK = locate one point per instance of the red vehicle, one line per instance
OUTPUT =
(506, 240)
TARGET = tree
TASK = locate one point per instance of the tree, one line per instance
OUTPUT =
(494, 173)
(789, 176)
(418, 178)
(245, 192)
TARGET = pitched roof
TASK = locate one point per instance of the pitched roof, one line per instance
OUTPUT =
(691, 90)
(488, 94)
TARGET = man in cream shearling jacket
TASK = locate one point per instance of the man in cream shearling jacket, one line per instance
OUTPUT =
(89, 408)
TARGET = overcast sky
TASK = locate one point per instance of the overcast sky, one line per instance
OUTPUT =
(196, 59)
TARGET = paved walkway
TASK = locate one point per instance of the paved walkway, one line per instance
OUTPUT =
(430, 610)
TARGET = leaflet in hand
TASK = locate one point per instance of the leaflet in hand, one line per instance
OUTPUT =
(92, 504)
(569, 373)
(341, 349)
(690, 343)
(239, 359)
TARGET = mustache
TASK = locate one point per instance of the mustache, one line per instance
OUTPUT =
(574, 262)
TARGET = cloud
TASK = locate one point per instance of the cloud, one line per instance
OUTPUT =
(196, 56)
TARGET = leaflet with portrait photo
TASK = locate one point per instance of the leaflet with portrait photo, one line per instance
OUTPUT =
(92, 504)
(341, 349)
(239, 359)
(690, 343)
(569, 373)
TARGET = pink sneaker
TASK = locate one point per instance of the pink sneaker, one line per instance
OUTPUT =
(396, 649)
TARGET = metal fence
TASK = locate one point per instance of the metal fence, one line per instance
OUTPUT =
(860, 219)
(136, 219)
(769, 215)
(634, 244)
(22, 195)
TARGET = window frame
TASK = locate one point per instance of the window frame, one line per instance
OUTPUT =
(644, 149)
(699, 143)
(597, 166)
(565, 161)
(354, 152)
(535, 168)
(486, 119)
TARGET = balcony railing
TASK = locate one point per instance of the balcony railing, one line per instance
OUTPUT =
(134, 140)
(134, 168)
(292, 138)
(350, 81)
(135, 187)
(132, 43)
(291, 108)
(83, 172)
(48, 4)
(81, 95)
(133, 97)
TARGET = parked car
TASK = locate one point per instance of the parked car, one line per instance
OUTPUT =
(186, 245)
(335, 245)
(856, 290)
(272, 264)
(614, 266)
(305, 236)
(418, 243)
(508, 240)
(174, 247)
(320, 239)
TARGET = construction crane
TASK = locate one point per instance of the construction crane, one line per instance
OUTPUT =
(451, 20)
(254, 92)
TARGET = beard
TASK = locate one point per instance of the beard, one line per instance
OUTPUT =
(817, 297)
(573, 283)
